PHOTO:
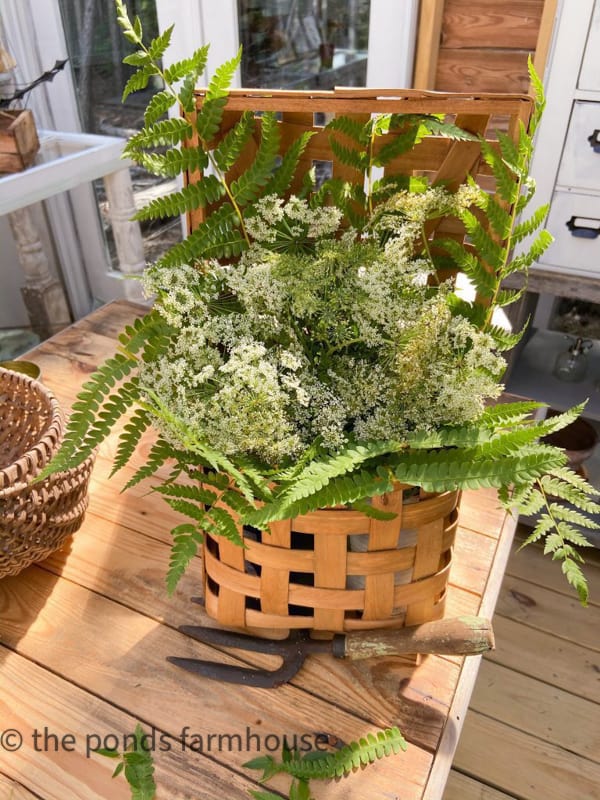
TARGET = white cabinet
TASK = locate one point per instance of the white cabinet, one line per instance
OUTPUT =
(590, 66)
(566, 164)
(580, 163)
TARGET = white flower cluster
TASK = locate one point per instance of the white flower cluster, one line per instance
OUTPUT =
(276, 219)
(345, 341)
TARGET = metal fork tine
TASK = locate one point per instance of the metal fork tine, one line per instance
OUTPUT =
(241, 641)
(262, 678)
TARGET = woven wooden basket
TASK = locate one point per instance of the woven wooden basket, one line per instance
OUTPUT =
(337, 569)
(35, 518)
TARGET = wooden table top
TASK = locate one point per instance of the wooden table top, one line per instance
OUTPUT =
(84, 639)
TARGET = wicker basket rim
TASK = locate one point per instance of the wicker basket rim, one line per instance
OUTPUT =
(34, 459)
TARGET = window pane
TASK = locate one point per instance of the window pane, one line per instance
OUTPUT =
(304, 44)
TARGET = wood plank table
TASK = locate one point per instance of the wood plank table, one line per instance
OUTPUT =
(84, 637)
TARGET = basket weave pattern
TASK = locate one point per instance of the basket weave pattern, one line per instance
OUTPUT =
(35, 519)
(337, 569)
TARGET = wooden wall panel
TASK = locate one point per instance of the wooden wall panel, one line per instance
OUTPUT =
(482, 70)
(491, 23)
(481, 45)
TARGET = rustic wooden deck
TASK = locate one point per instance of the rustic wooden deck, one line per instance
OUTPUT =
(83, 641)
(533, 727)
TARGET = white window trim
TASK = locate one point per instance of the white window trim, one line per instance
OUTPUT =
(35, 37)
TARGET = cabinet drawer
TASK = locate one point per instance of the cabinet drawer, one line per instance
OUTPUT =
(580, 165)
(574, 221)
(589, 77)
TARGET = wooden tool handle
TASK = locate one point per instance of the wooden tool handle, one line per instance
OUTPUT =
(461, 636)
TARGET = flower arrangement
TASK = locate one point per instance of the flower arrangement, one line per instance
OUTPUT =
(301, 351)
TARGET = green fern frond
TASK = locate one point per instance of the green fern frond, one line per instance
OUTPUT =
(196, 63)
(158, 106)
(281, 179)
(351, 757)
(319, 765)
(338, 491)
(318, 474)
(187, 508)
(219, 522)
(510, 154)
(210, 115)
(513, 441)
(528, 187)
(194, 195)
(351, 128)
(449, 130)
(444, 470)
(465, 436)
(572, 516)
(232, 144)
(506, 186)
(482, 279)
(216, 237)
(139, 768)
(84, 430)
(138, 59)
(174, 162)
(572, 478)
(399, 143)
(504, 340)
(507, 297)
(575, 577)
(509, 413)
(539, 246)
(248, 186)
(138, 81)
(158, 45)
(160, 452)
(532, 504)
(130, 438)
(131, 33)
(237, 502)
(357, 159)
(540, 99)
(143, 330)
(500, 219)
(186, 540)
(490, 251)
(544, 525)
(196, 493)
(529, 226)
(366, 508)
(164, 132)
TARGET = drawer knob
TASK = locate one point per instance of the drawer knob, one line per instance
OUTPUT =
(584, 231)
(594, 140)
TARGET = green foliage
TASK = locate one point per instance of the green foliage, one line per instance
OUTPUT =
(137, 765)
(195, 195)
(249, 186)
(328, 765)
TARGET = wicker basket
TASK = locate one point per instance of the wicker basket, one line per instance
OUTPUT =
(337, 569)
(35, 519)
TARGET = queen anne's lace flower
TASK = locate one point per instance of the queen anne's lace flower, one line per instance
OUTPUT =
(339, 339)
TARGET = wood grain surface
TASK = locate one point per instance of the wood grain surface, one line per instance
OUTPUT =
(84, 639)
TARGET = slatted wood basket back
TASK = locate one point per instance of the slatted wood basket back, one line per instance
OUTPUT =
(444, 161)
(338, 569)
